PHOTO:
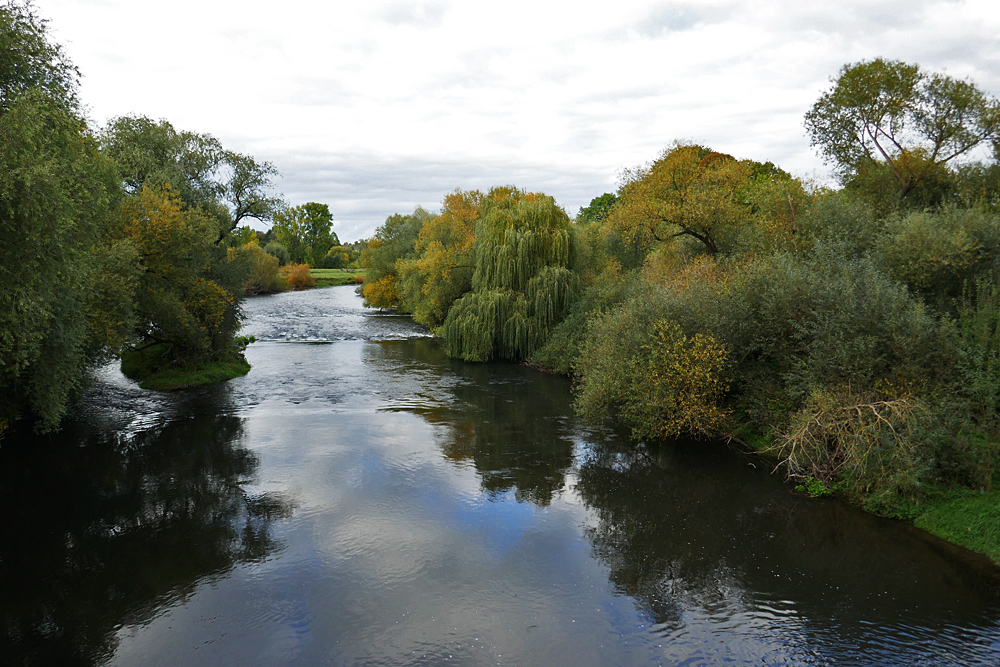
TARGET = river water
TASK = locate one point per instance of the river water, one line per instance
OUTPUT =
(361, 499)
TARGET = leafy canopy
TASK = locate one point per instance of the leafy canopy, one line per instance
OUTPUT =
(895, 113)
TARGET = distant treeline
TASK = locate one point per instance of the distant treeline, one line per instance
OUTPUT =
(852, 332)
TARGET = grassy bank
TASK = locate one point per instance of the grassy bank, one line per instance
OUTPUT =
(152, 368)
(333, 277)
(965, 517)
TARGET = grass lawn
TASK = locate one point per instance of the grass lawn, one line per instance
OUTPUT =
(330, 277)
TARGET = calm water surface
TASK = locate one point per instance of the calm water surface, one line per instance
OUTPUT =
(360, 499)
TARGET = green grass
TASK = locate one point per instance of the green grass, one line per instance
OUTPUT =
(965, 517)
(331, 277)
(147, 368)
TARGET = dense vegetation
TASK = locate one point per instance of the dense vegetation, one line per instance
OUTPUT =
(852, 334)
(128, 240)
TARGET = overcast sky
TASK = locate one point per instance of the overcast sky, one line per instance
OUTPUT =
(376, 107)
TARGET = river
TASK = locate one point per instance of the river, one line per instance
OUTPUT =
(361, 499)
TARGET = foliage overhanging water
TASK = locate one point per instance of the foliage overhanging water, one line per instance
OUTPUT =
(359, 498)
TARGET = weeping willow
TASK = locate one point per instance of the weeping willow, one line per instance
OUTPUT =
(522, 285)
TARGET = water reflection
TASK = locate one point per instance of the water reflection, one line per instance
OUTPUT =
(712, 553)
(510, 422)
(100, 531)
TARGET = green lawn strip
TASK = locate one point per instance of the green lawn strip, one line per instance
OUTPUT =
(965, 517)
(332, 277)
(144, 367)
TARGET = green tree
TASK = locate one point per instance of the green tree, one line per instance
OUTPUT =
(395, 239)
(55, 197)
(30, 62)
(246, 188)
(598, 209)
(306, 232)
(522, 284)
(890, 112)
(229, 186)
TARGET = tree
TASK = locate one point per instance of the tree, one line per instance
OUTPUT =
(598, 209)
(890, 112)
(522, 284)
(306, 232)
(441, 271)
(689, 191)
(231, 187)
(393, 240)
(29, 62)
(188, 297)
(55, 197)
(246, 189)
(153, 153)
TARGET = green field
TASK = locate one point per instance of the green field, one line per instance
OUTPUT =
(330, 277)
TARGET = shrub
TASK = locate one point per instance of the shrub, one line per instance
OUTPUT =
(279, 251)
(658, 381)
(936, 253)
(263, 269)
(297, 276)
(865, 442)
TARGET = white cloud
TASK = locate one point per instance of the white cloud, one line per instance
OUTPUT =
(376, 107)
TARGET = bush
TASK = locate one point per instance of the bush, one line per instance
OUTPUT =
(658, 381)
(936, 254)
(263, 269)
(297, 276)
(827, 321)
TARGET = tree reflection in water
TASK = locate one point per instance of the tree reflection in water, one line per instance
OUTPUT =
(690, 533)
(512, 423)
(131, 525)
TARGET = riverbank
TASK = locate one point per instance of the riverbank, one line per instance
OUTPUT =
(965, 517)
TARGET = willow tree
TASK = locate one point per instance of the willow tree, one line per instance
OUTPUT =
(522, 283)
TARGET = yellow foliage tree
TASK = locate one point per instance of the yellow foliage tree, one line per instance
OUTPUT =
(689, 191)
(187, 297)
(442, 270)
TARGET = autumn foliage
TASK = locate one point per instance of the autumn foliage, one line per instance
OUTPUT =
(297, 276)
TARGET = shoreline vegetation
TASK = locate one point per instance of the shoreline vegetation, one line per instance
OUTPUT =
(851, 336)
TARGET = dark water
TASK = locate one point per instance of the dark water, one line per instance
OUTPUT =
(360, 499)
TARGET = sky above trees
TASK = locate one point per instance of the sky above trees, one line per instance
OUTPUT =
(377, 107)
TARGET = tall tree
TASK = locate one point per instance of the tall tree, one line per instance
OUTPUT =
(887, 111)
(522, 284)
(229, 186)
(55, 197)
(689, 191)
(306, 231)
